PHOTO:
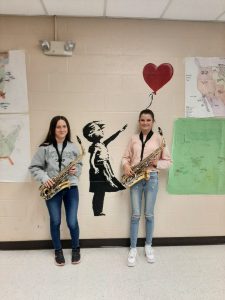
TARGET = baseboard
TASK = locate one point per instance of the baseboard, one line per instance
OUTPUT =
(116, 242)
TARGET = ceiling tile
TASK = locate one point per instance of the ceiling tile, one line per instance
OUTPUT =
(21, 7)
(75, 7)
(135, 8)
(203, 10)
(194, 9)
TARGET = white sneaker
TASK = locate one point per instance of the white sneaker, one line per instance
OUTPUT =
(131, 261)
(149, 254)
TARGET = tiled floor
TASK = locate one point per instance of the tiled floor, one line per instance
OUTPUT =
(180, 273)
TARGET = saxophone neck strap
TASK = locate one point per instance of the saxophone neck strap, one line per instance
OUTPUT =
(149, 135)
(58, 153)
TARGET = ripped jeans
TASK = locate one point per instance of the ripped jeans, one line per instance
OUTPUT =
(150, 189)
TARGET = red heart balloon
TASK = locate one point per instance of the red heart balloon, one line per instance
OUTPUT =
(156, 77)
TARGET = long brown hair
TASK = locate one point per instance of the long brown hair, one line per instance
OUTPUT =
(50, 138)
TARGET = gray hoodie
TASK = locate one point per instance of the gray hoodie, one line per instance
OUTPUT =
(45, 165)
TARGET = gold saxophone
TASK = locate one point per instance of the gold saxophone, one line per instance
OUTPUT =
(140, 169)
(60, 181)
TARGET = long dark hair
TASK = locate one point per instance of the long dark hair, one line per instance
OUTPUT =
(50, 138)
(147, 112)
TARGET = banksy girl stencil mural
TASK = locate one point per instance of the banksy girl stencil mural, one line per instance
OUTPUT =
(101, 176)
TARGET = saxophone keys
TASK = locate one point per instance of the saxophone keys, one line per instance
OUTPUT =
(147, 175)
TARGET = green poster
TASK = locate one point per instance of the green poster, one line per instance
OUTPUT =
(198, 154)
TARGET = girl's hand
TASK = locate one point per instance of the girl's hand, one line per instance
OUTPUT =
(49, 183)
(72, 170)
(128, 171)
(154, 163)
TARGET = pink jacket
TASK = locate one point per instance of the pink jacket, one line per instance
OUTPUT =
(133, 152)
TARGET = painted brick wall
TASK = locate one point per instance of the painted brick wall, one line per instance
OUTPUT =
(103, 81)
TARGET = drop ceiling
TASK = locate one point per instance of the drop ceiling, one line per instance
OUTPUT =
(192, 10)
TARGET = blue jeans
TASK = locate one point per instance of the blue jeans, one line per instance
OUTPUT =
(70, 197)
(150, 189)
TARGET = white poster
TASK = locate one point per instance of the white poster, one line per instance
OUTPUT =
(13, 82)
(205, 87)
(14, 148)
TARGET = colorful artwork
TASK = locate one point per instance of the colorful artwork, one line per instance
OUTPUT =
(205, 87)
(13, 82)
(4, 60)
(7, 143)
(14, 148)
(198, 154)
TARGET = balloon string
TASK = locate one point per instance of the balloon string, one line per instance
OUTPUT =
(151, 99)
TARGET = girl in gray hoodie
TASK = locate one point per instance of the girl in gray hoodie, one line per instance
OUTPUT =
(52, 156)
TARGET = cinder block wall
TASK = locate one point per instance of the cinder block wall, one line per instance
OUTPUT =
(103, 81)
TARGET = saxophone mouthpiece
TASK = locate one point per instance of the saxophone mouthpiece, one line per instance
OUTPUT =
(82, 148)
(78, 139)
(160, 131)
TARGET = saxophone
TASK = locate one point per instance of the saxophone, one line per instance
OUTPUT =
(140, 169)
(60, 181)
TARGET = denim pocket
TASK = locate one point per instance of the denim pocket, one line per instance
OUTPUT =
(153, 181)
(153, 176)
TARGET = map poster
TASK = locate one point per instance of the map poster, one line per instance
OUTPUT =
(13, 82)
(198, 154)
(205, 87)
(14, 148)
